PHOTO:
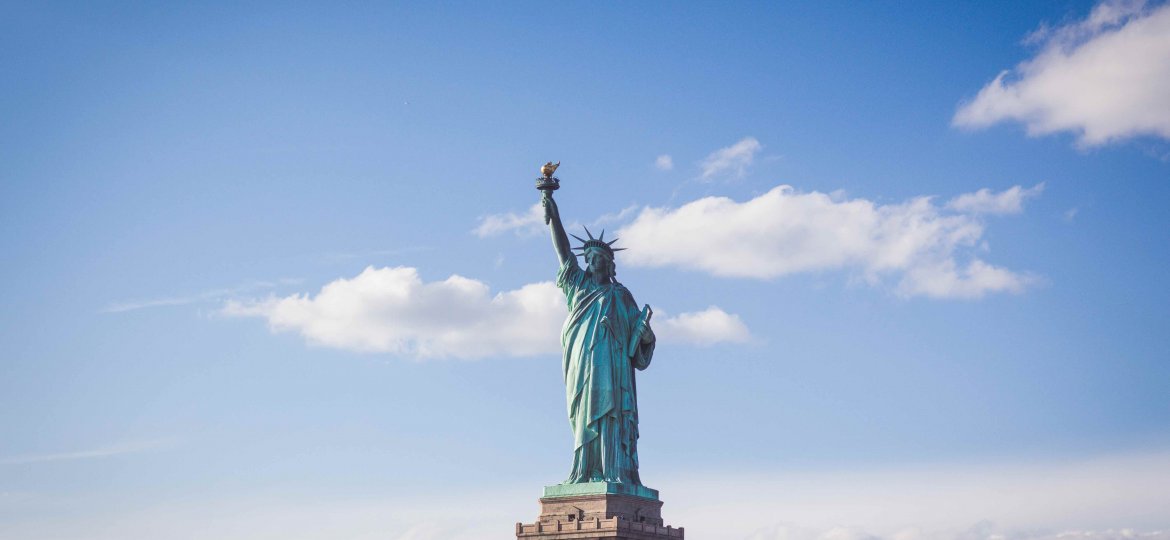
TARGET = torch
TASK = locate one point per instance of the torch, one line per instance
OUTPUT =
(547, 183)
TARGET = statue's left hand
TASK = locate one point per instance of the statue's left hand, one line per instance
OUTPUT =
(646, 333)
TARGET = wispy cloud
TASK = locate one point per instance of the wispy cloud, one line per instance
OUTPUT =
(210, 295)
(532, 222)
(392, 310)
(930, 249)
(985, 201)
(132, 447)
(664, 162)
(732, 161)
(1104, 78)
(525, 224)
(119, 307)
(611, 218)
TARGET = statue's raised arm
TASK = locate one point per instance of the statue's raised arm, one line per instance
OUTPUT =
(552, 216)
(547, 184)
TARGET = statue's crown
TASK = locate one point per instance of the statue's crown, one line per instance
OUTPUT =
(596, 243)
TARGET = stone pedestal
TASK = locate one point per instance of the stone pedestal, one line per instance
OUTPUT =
(599, 510)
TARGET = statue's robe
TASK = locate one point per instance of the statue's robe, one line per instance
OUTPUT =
(599, 377)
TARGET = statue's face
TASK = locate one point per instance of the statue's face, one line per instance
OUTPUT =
(599, 264)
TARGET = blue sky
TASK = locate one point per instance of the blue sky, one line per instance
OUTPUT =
(274, 269)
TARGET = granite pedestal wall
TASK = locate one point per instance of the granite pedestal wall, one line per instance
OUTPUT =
(599, 510)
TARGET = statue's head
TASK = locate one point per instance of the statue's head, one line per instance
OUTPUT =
(600, 262)
(598, 254)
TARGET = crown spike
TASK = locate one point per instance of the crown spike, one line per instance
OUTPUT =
(618, 249)
(579, 239)
(611, 242)
(587, 232)
(602, 237)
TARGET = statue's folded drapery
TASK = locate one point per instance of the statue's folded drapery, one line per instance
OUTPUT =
(599, 376)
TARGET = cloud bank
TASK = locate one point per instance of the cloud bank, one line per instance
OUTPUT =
(984, 530)
(1107, 497)
(392, 310)
(1104, 78)
(929, 249)
(1119, 497)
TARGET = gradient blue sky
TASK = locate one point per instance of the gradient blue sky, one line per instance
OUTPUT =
(178, 184)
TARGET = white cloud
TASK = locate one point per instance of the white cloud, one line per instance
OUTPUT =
(664, 162)
(731, 161)
(984, 201)
(528, 223)
(707, 327)
(392, 310)
(784, 232)
(1104, 78)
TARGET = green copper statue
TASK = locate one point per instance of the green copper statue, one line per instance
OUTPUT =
(605, 338)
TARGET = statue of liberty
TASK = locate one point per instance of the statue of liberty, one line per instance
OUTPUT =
(605, 338)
